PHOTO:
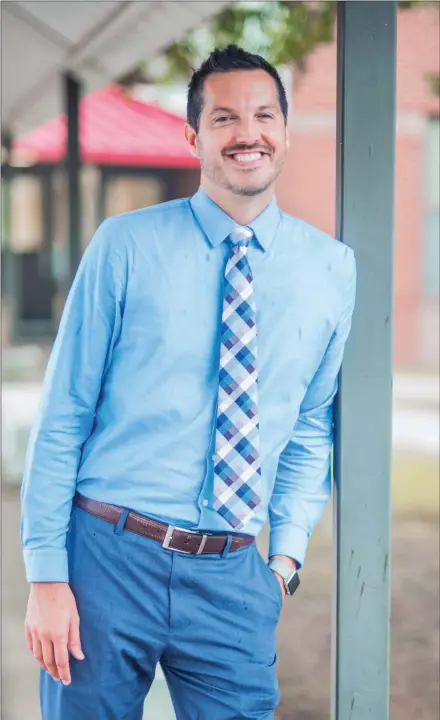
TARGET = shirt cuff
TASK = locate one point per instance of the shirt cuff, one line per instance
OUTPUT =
(49, 565)
(291, 541)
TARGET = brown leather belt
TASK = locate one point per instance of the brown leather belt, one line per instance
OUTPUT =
(171, 537)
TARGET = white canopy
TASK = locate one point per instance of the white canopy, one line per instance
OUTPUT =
(96, 40)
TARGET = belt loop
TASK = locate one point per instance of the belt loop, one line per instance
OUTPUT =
(227, 546)
(119, 528)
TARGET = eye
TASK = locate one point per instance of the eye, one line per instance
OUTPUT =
(223, 118)
(265, 115)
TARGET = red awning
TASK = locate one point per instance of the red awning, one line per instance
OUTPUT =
(114, 130)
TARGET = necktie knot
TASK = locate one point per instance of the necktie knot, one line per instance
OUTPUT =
(241, 236)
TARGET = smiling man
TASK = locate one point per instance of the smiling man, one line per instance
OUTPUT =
(188, 400)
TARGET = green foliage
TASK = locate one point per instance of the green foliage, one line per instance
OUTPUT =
(434, 83)
(282, 31)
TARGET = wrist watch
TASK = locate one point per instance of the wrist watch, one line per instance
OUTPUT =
(290, 575)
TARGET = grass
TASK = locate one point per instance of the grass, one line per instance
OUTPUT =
(415, 486)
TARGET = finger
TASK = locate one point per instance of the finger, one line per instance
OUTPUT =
(28, 636)
(49, 658)
(283, 589)
(75, 640)
(62, 661)
(38, 652)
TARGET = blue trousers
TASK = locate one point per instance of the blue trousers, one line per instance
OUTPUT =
(209, 620)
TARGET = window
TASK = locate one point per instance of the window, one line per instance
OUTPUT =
(127, 193)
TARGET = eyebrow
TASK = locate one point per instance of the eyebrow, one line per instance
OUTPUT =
(230, 110)
(222, 109)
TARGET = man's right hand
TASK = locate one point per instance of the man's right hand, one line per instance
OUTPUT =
(52, 628)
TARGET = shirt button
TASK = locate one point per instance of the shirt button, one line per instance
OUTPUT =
(205, 502)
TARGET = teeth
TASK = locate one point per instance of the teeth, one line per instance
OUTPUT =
(248, 157)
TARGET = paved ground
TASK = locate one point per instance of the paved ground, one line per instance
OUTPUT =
(304, 630)
(303, 636)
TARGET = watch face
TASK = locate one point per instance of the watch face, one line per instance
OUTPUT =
(293, 583)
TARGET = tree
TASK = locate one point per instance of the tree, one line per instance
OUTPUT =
(434, 83)
(281, 30)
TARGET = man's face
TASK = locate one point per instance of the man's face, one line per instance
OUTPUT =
(242, 139)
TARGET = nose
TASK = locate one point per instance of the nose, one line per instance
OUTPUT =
(247, 131)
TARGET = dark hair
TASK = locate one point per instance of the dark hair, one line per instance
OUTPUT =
(226, 60)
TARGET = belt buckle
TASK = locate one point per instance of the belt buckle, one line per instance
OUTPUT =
(169, 536)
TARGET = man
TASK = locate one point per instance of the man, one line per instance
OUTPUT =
(187, 400)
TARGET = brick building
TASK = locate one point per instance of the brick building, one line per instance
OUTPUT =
(307, 185)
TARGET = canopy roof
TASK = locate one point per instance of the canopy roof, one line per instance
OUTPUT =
(114, 129)
(98, 41)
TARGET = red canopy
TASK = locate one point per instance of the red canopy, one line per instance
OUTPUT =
(114, 130)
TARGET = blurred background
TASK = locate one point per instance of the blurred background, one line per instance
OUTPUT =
(133, 154)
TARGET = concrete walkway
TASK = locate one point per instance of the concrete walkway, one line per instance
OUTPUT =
(415, 429)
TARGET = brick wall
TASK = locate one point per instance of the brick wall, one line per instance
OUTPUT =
(306, 187)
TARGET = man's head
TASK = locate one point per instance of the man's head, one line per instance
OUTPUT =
(237, 121)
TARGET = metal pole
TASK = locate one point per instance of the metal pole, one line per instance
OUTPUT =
(362, 459)
(102, 195)
(73, 164)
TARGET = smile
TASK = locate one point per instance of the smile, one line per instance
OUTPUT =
(247, 159)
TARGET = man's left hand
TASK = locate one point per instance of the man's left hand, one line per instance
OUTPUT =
(288, 561)
(281, 582)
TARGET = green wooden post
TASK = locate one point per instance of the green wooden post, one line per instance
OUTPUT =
(365, 209)
(102, 196)
(72, 98)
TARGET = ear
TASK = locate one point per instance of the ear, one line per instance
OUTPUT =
(191, 138)
(287, 138)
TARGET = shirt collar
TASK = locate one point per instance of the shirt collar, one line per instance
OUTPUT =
(216, 224)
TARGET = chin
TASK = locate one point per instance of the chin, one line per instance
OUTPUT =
(249, 190)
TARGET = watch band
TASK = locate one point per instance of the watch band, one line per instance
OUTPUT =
(289, 575)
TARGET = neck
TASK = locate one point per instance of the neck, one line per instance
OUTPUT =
(241, 208)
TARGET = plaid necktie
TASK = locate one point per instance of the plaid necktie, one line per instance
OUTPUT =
(237, 473)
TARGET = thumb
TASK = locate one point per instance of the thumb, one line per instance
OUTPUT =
(74, 641)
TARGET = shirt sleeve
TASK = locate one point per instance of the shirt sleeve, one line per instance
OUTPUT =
(303, 481)
(88, 330)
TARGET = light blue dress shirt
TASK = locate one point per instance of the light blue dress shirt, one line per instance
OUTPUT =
(128, 409)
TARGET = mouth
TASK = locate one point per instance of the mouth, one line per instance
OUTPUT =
(248, 159)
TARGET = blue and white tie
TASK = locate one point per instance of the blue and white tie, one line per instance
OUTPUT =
(237, 472)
